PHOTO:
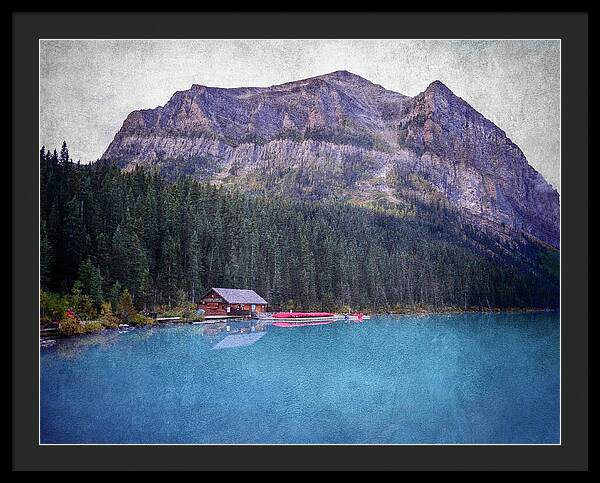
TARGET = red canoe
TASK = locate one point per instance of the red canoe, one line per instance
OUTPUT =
(302, 324)
(301, 315)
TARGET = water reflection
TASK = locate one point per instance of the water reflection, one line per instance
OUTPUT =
(233, 327)
(464, 379)
(239, 340)
(238, 333)
(72, 347)
(216, 331)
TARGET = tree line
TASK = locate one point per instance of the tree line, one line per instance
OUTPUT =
(104, 230)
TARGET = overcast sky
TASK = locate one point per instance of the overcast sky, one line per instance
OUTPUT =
(87, 87)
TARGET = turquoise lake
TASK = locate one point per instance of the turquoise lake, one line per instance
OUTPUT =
(469, 378)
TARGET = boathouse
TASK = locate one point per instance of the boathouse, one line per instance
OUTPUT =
(232, 301)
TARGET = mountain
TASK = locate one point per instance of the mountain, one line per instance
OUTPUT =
(339, 136)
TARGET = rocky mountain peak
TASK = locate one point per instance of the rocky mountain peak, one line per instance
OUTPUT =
(345, 76)
(437, 87)
(338, 134)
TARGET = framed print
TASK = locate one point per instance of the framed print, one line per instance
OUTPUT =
(285, 245)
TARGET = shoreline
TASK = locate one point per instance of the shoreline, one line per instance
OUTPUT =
(53, 333)
(456, 310)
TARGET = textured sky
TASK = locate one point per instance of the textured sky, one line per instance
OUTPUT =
(87, 87)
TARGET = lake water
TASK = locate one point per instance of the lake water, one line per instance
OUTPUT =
(472, 378)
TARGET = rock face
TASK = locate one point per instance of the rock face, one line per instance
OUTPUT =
(339, 133)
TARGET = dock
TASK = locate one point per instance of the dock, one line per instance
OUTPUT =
(212, 317)
(207, 319)
(167, 319)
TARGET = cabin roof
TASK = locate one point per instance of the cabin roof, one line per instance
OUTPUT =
(239, 296)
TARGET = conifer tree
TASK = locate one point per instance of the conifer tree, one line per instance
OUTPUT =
(90, 281)
(161, 239)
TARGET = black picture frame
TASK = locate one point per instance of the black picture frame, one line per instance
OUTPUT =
(571, 28)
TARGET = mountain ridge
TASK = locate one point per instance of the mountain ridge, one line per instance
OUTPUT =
(338, 134)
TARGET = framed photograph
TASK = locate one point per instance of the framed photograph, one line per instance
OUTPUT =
(300, 241)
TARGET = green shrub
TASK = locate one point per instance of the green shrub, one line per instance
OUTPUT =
(52, 306)
(125, 309)
(93, 326)
(82, 304)
(69, 325)
(107, 318)
(187, 313)
(139, 319)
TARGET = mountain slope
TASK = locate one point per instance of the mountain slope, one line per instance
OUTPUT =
(340, 136)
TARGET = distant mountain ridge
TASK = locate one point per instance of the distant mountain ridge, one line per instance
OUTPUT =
(339, 135)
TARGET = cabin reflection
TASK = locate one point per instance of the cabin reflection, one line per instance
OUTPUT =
(236, 334)
(73, 347)
(233, 327)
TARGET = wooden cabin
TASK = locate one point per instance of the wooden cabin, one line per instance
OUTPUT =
(232, 301)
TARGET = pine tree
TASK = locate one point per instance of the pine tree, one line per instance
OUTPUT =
(165, 241)
(64, 153)
(115, 294)
(45, 257)
(125, 308)
(90, 281)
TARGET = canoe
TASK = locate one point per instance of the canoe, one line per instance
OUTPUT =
(303, 323)
(304, 320)
(358, 317)
(303, 315)
(297, 318)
